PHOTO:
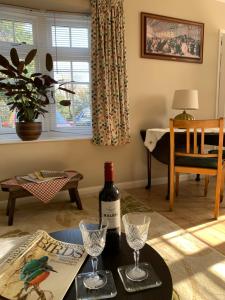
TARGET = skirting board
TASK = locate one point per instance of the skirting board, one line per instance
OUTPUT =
(131, 184)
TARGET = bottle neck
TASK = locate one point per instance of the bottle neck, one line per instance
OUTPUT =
(109, 173)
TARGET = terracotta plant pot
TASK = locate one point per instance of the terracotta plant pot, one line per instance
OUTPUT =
(28, 131)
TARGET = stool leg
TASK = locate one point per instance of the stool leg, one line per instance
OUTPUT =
(75, 197)
(7, 208)
(11, 208)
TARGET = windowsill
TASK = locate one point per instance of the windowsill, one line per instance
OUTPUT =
(12, 138)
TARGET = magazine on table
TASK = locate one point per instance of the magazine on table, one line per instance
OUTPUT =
(43, 176)
(40, 268)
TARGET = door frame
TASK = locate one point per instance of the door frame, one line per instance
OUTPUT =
(221, 35)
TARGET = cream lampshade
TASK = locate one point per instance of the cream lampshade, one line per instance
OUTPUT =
(186, 100)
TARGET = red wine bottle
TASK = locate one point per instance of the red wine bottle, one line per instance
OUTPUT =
(109, 209)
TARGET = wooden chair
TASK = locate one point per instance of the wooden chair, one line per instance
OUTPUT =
(195, 162)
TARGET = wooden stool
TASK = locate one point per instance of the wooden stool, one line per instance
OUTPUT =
(19, 192)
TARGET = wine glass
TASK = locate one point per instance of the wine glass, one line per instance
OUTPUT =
(136, 229)
(94, 236)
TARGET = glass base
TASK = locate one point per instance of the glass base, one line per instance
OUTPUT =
(104, 292)
(94, 281)
(136, 273)
(151, 281)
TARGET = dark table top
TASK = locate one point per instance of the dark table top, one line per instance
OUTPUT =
(162, 150)
(124, 257)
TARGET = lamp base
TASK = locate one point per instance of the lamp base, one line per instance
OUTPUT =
(184, 116)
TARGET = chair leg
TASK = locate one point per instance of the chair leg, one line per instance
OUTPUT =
(177, 184)
(206, 185)
(222, 186)
(171, 189)
(217, 198)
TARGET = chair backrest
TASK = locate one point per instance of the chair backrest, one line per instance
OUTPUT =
(195, 128)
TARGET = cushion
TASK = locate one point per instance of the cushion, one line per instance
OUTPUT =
(216, 151)
(198, 162)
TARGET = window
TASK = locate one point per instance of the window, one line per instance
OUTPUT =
(16, 32)
(67, 38)
(69, 46)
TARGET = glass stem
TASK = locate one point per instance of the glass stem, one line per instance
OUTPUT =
(136, 258)
(94, 261)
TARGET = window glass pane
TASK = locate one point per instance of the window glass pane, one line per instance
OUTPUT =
(79, 37)
(6, 31)
(64, 114)
(82, 110)
(62, 71)
(81, 71)
(60, 36)
(62, 76)
(62, 65)
(23, 33)
(79, 112)
(7, 118)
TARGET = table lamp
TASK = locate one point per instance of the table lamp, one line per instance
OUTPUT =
(186, 100)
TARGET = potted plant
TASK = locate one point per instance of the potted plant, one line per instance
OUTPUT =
(28, 93)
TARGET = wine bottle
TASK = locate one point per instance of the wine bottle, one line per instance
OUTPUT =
(109, 209)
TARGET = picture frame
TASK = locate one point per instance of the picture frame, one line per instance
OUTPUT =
(171, 38)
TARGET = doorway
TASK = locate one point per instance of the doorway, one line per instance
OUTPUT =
(220, 97)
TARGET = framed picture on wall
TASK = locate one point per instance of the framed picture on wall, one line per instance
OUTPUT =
(171, 39)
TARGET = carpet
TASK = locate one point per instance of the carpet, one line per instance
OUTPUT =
(31, 214)
(197, 270)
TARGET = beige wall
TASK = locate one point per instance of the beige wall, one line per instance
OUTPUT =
(151, 86)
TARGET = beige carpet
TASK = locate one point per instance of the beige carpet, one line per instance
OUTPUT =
(31, 214)
(198, 271)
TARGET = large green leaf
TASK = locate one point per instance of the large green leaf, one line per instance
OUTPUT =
(9, 73)
(49, 80)
(14, 57)
(65, 102)
(4, 62)
(20, 67)
(49, 62)
(30, 56)
(38, 82)
(35, 74)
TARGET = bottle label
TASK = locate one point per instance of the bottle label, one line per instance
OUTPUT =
(111, 211)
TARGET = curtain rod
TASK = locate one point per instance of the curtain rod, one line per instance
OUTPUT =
(45, 10)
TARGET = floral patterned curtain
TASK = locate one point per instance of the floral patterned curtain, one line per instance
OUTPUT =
(109, 76)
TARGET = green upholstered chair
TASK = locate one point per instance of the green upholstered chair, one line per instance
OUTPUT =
(193, 162)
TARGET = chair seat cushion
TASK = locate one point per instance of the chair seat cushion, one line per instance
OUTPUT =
(198, 162)
(216, 152)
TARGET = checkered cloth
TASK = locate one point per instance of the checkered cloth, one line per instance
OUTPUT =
(44, 191)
